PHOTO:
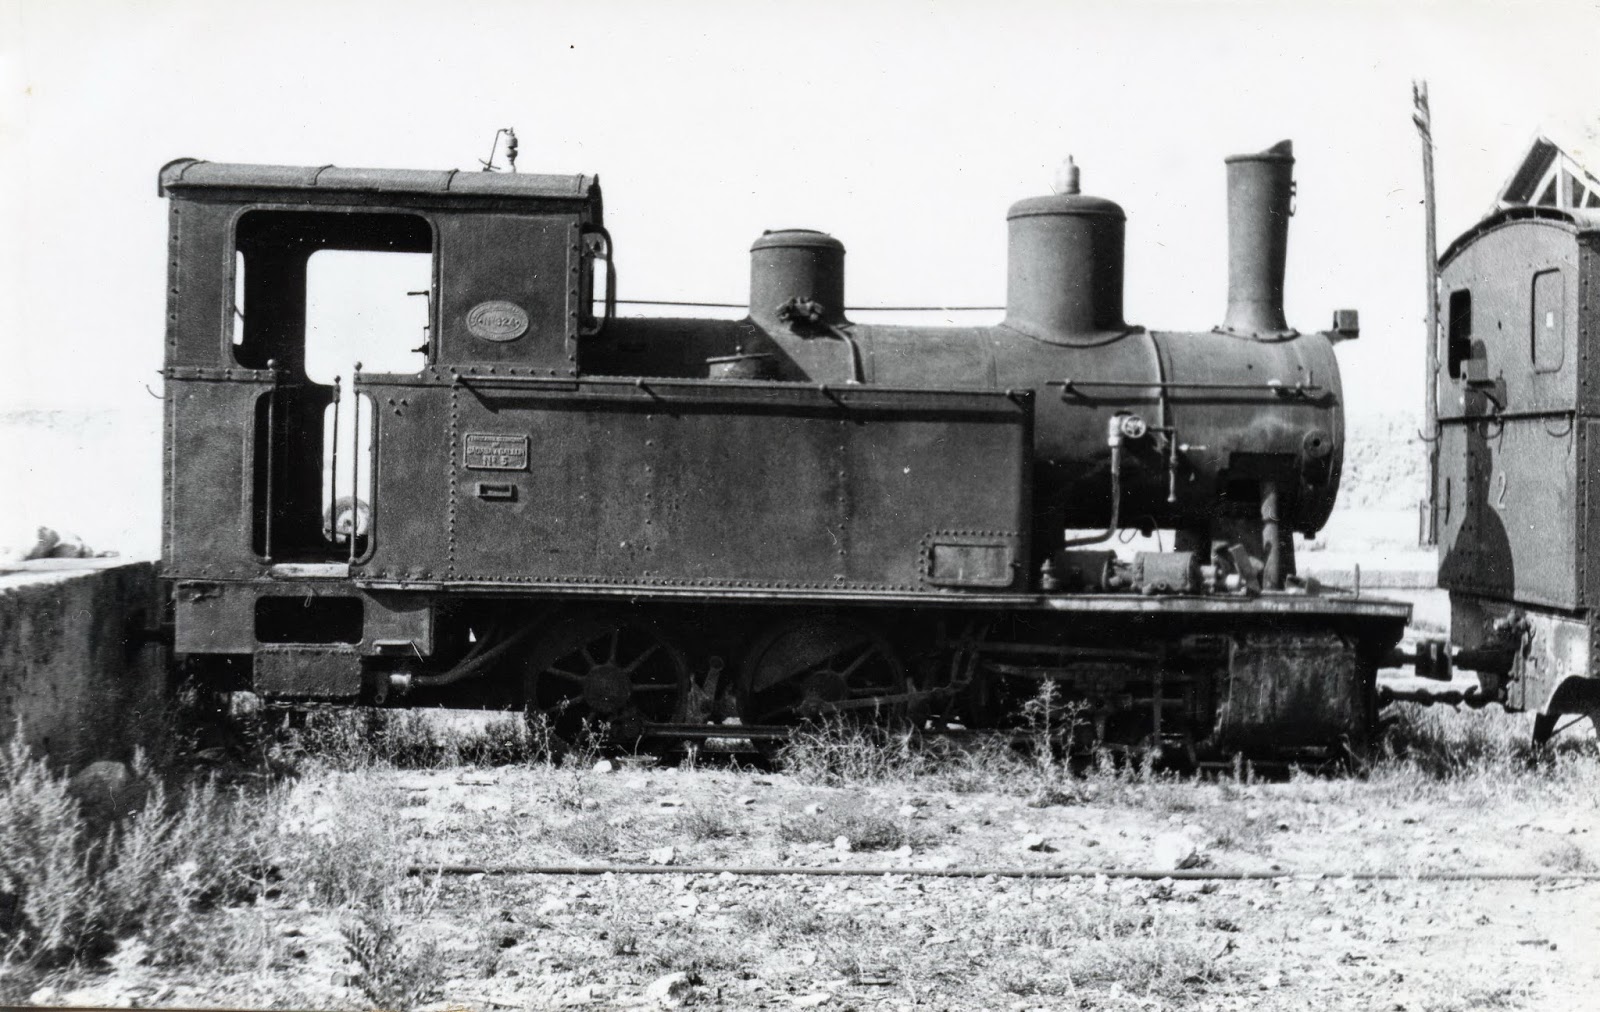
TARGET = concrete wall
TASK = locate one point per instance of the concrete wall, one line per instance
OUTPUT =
(67, 671)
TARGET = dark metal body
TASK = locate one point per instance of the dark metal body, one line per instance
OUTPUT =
(1519, 416)
(842, 516)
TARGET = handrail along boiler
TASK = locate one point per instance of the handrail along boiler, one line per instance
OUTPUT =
(669, 525)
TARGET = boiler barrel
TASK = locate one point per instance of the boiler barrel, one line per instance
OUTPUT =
(1240, 410)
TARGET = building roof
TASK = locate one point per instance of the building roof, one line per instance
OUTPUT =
(1551, 175)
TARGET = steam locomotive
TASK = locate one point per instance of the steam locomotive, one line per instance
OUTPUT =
(684, 528)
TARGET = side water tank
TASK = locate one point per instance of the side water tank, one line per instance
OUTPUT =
(1064, 274)
(796, 263)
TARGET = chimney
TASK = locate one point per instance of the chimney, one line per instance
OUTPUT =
(1260, 194)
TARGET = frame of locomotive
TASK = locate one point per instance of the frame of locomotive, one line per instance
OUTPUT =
(669, 526)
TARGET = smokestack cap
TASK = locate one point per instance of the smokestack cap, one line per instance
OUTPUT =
(1283, 151)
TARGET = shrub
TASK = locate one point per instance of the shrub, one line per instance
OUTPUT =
(70, 891)
(49, 903)
(180, 857)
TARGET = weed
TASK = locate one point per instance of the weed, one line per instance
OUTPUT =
(394, 972)
(700, 824)
(841, 751)
(587, 836)
(180, 858)
(864, 829)
(784, 917)
(685, 946)
(1569, 857)
(353, 739)
(340, 843)
(1144, 964)
(1234, 827)
(1441, 745)
(623, 940)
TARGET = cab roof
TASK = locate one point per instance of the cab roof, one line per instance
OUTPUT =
(189, 175)
(1580, 222)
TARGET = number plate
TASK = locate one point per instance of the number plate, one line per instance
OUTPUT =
(490, 452)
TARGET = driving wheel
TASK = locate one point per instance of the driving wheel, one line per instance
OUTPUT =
(607, 671)
(820, 667)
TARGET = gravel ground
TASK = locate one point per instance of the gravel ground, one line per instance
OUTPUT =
(1310, 938)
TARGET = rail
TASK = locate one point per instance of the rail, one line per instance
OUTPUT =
(1152, 874)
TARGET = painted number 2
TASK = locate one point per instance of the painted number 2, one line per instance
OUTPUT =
(1500, 491)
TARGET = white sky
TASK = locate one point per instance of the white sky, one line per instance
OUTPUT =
(905, 129)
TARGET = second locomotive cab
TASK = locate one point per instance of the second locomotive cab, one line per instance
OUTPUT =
(669, 526)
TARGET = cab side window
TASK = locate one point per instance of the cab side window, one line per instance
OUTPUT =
(1458, 327)
(1547, 323)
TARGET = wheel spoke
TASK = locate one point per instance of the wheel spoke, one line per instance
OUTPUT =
(587, 656)
(655, 688)
(616, 634)
(631, 668)
(871, 650)
(566, 676)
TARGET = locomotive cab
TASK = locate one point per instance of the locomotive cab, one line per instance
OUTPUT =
(291, 292)
(1518, 445)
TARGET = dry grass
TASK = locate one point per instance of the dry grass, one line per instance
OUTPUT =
(589, 835)
(786, 918)
(849, 753)
(160, 892)
(392, 968)
(851, 820)
(701, 823)
(357, 738)
(1484, 757)
(175, 883)
(1569, 857)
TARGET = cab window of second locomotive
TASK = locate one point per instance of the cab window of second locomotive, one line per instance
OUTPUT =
(1458, 328)
(1546, 325)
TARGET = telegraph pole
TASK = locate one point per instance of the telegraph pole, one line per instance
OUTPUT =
(1429, 533)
